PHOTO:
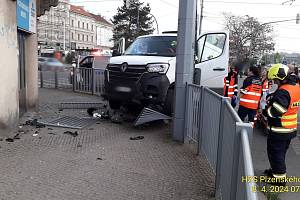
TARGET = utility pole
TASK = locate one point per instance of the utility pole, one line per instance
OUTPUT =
(201, 16)
(184, 63)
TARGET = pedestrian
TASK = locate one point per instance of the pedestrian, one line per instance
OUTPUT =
(231, 85)
(281, 112)
(251, 92)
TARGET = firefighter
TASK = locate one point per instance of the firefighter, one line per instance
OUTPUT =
(281, 112)
(231, 85)
(251, 92)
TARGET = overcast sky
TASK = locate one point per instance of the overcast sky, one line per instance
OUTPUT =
(287, 34)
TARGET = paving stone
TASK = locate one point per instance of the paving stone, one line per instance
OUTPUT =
(55, 168)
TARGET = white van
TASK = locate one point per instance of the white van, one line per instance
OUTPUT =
(145, 73)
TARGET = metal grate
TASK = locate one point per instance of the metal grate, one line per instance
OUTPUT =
(70, 122)
(148, 115)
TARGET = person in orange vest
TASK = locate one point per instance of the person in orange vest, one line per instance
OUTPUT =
(231, 85)
(251, 92)
(281, 113)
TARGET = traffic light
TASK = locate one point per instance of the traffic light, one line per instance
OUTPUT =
(297, 18)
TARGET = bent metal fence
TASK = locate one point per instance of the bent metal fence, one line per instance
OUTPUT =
(224, 139)
(85, 80)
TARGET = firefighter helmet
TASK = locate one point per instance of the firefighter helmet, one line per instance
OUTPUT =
(278, 71)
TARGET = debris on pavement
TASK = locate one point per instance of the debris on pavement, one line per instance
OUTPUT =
(74, 134)
(50, 133)
(17, 137)
(140, 137)
(50, 128)
(35, 134)
(1, 139)
(9, 140)
(99, 158)
(35, 123)
(102, 115)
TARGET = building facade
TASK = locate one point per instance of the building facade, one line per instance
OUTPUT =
(69, 27)
(18, 63)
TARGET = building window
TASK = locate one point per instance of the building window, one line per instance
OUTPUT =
(82, 37)
(92, 38)
(82, 25)
(78, 36)
(92, 27)
(87, 38)
(72, 36)
(72, 23)
(78, 24)
(87, 26)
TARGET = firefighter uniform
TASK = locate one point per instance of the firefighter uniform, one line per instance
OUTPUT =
(251, 92)
(231, 84)
(266, 85)
(281, 112)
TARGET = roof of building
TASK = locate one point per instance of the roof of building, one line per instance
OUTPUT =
(80, 10)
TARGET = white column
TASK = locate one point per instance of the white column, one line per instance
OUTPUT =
(9, 79)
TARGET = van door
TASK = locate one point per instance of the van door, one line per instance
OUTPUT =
(212, 56)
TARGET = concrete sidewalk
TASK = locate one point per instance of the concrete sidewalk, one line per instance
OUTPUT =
(101, 162)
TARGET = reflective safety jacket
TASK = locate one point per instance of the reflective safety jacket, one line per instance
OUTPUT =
(251, 92)
(266, 85)
(231, 84)
(282, 111)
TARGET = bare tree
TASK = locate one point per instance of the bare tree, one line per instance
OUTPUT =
(249, 39)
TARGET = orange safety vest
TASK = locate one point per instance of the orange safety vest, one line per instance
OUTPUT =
(266, 85)
(289, 118)
(251, 96)
(229, 85)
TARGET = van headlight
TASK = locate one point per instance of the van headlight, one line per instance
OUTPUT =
(158, 67)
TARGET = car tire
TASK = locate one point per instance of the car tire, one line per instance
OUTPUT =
(114, 104)
(169, 102)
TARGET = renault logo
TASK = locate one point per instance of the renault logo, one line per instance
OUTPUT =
(123, 67)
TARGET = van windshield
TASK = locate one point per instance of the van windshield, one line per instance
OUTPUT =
(153, 46)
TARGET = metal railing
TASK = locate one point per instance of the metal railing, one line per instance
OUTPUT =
(223, 138)
(55, 79)
(85, 80)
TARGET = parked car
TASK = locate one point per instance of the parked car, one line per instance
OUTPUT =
(51, 64)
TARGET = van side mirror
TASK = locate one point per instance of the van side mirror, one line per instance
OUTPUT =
(115, 53)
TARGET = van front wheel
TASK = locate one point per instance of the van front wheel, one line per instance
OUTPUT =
(114, 104)
(169, 102)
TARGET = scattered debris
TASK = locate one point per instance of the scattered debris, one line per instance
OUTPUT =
(99, 158)
(35, 123)
(1, 139)
(140, 137)
(79, 145)
(91, 128)
(50, 128)
(9, 140)
(50, 133)
(102, 115)
(74, 134)
(17, 137)
(36, 133)
(40, 137)
(60, 109)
